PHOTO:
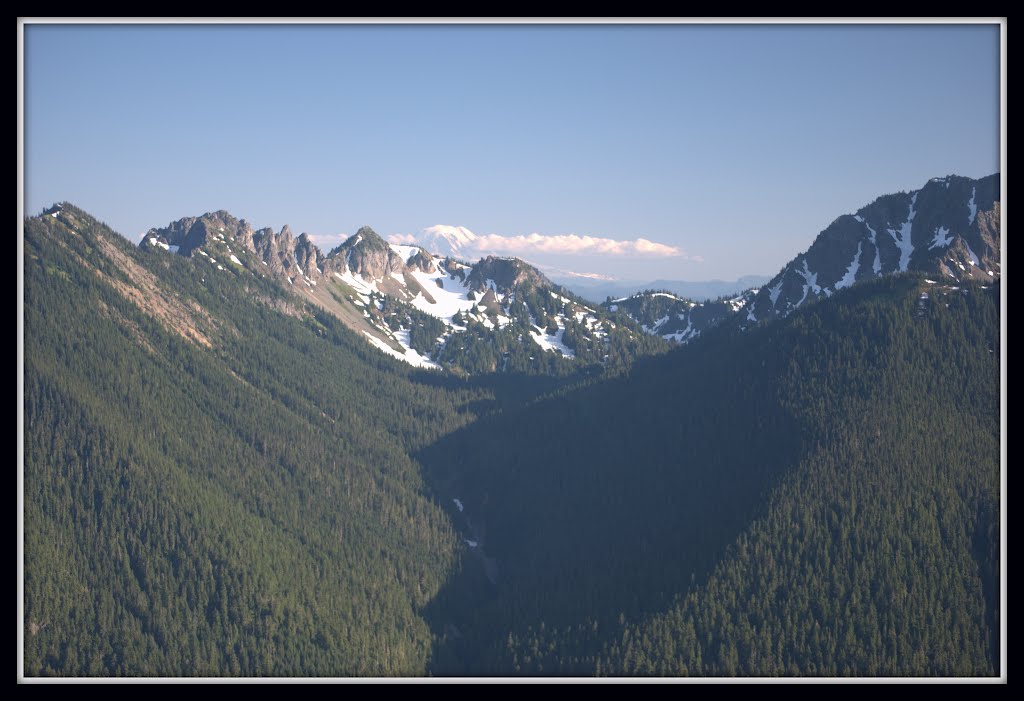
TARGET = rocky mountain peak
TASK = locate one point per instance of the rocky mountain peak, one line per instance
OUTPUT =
(421, 261)
(506, 274)
(192, 233)
(368, 234)
(307, 256)
(948, 228)
(367, 254)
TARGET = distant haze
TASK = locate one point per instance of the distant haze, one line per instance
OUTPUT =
(599, 290)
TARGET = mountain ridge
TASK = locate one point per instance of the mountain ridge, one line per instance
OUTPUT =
(600, 291)
(410, 303)
(221, 478)
(948, 229)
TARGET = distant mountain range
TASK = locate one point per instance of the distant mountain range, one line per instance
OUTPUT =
(599, 290)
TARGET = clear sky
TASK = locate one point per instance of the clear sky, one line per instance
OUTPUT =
(730, 147)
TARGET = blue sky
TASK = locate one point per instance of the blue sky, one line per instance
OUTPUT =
(726, 147)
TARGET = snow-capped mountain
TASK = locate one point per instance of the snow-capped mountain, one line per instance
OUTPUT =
(441, 239)
(427, 309)
(948, 229)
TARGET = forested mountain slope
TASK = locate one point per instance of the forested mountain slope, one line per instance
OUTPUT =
(217, 476)
(221, 478)
(814, 496)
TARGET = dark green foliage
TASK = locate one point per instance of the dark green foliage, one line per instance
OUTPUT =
(248, 508)
(424, 331)
(817, 496)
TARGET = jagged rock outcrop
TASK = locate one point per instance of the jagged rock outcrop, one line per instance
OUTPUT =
(368, 255)
(307, 257)
(191, 233)
(506, 274)
(421, 261)
(276, 250)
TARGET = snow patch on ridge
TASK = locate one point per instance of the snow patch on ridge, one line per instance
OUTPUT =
(683, 336)
(404, 252)
(450, 298)
(409, 356)
(736, 303)
(810, 282)
(902, 240)
(548, 342)
(356, 282)
(942, 238)
(851, 271)
(877, 265)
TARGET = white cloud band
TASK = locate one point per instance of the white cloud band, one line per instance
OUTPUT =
(462, 241)
(573, 244)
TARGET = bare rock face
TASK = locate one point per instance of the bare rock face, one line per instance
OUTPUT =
(421, 261)
(284, 254)
(307, 257)
(370, 256)
(276, 250)
(506, 273)
(188, 234)
(192, 233)
(332, 264)
(244, 235)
